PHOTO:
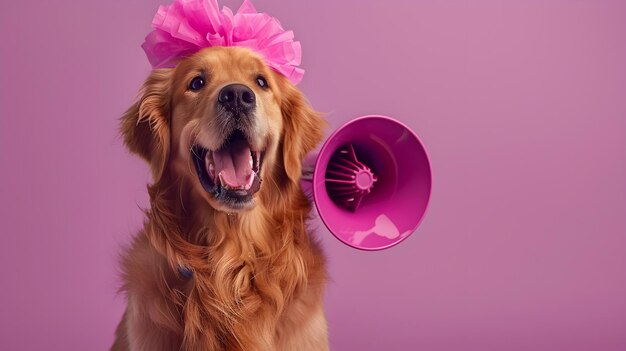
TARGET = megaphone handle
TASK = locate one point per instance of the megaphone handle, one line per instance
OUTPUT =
(306, 181)
(307, 173)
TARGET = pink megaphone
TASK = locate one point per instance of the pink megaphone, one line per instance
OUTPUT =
(371, 182)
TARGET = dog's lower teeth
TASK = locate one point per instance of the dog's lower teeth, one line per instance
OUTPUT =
(250, 181)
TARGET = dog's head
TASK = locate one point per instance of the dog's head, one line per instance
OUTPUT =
(225, 122)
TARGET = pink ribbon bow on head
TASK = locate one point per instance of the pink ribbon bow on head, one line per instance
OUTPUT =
(186, 26)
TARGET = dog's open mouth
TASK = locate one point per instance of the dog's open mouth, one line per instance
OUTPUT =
(232, 173)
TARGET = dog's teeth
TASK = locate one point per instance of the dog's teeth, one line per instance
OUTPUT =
(211, 170)
(250, 181)
(224, 185)
(210, 166)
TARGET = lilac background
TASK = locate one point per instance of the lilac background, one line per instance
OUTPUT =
(521, 104)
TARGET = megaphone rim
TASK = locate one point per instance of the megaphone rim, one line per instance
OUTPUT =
(320, 155)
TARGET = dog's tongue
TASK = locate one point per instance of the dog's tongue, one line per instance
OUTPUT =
(234, 163)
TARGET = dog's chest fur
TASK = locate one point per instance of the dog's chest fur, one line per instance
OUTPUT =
(248, 292)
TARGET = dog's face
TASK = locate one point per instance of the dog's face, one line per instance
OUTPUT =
(226, 122)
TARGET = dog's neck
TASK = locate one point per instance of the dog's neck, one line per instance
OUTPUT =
(192, 228)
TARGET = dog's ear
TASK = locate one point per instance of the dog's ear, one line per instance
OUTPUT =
(303, 128)
(145, 125)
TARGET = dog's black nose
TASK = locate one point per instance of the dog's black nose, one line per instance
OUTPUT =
(237, 98)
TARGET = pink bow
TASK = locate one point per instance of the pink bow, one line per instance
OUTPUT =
(186, 26)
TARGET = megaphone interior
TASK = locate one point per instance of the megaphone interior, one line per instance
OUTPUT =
(371, 182)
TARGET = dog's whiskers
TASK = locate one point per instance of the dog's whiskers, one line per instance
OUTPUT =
(180, 193)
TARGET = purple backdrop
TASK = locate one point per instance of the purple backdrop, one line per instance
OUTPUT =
(522, 106)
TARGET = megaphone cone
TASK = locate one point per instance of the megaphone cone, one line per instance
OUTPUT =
(371, 182)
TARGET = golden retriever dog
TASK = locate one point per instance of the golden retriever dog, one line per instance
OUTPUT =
(224, 260)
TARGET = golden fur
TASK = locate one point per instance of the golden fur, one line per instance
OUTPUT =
(258, 278)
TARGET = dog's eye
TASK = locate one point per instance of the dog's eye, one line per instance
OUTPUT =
(260, 80)
(196, 84)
